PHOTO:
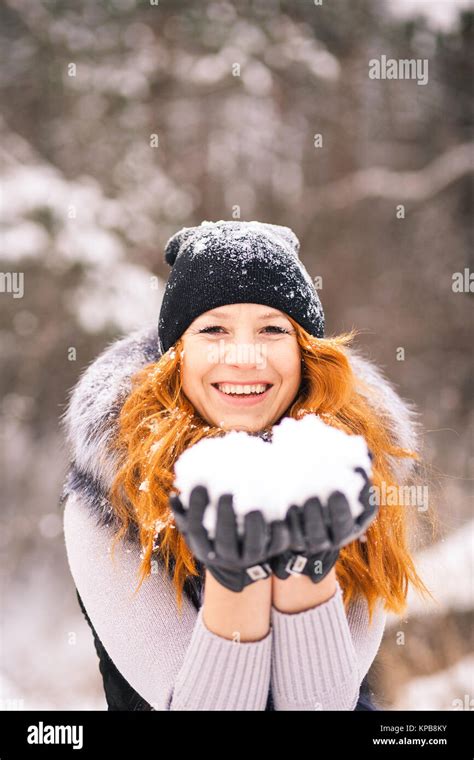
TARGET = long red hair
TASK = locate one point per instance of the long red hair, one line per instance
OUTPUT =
(158, 422)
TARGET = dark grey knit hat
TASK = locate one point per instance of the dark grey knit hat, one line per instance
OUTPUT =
(219, 263)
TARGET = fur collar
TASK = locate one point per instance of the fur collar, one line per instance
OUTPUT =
(90, 419)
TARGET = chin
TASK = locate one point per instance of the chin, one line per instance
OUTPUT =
(252, 426)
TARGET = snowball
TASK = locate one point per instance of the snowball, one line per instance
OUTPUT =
(304, 458)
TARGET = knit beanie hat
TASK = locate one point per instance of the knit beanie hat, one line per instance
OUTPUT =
(219, 263)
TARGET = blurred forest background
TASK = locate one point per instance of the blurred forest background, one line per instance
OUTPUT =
(124, 121)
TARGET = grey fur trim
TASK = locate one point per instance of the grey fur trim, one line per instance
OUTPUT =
(97, 398)
(401, 416)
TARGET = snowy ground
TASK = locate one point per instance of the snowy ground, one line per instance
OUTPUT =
(450, 689)
(51, 663)
(447, 568)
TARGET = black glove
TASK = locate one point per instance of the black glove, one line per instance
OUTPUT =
(235, 561)
(317, 533)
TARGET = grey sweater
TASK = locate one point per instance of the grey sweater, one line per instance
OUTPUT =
(313, 660)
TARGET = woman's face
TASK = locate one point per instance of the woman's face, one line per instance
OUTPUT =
(241, 366)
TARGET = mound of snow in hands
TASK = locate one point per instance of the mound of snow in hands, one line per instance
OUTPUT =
(304, 458)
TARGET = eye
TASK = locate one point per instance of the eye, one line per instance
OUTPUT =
(273, 329)
(277, 329)
(211, 328)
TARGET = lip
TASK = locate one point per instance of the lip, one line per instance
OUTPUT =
(243, 400)
(242, 382)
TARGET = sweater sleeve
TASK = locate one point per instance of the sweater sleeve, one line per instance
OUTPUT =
(168, 656)
(321, 655)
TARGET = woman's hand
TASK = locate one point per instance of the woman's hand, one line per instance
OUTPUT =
(317, 533)
(233, 560)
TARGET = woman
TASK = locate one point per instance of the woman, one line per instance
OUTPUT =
(222, 625)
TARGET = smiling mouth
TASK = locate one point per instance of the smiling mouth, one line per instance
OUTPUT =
(242, 394)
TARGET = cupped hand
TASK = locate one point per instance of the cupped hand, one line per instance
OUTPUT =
(235, 560)
(317, 533)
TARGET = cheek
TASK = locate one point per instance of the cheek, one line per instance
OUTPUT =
(190, 371)
(286, 361)
(194, 369)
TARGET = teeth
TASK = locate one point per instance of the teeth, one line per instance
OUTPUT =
(241, 389)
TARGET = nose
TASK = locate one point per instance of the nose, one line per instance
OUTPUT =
(242, 349)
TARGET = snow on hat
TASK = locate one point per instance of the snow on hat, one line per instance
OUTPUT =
(219, 263)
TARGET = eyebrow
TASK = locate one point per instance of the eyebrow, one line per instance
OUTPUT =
(226, 315)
